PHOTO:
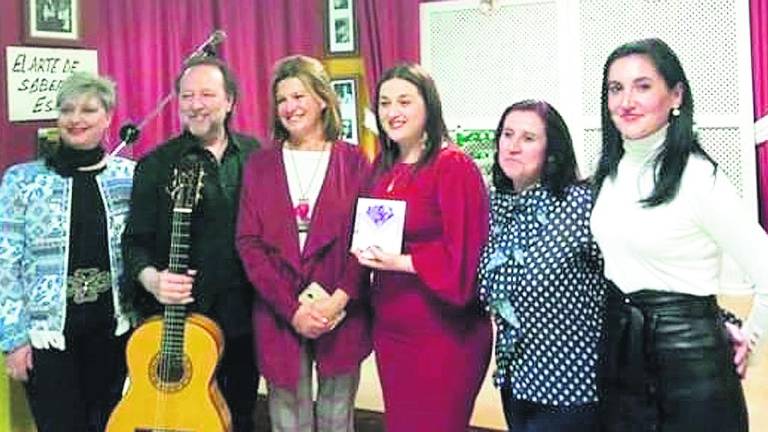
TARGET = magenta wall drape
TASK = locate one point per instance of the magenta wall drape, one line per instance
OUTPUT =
(759, 28)
(389, 34)
(259, 33)
(141, 44)
(17, 140)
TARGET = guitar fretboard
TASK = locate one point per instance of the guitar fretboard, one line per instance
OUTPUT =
(172, 345)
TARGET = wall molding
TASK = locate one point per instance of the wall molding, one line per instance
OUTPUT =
(761, 130)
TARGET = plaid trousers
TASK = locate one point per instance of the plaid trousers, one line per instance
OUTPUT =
(333, 411)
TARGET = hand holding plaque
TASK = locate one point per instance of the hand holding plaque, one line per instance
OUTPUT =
(379, 223)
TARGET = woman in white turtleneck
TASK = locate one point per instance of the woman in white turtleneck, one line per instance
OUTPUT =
(664, 216)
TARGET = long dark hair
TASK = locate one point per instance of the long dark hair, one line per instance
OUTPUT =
(434, 127)
(680, 142)
(560, 168)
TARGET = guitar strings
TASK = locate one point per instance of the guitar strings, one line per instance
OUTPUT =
(168, 355)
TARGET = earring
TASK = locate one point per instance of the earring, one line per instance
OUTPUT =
(675, 111)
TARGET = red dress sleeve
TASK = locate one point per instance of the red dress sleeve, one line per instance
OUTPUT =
(448, 265)
(270, 275)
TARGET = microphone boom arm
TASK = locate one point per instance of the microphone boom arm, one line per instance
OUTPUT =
(130, 132)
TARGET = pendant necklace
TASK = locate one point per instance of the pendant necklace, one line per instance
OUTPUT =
(401, 177)
(302, 211)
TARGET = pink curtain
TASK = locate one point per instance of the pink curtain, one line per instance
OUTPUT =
(759, 29)
(389, 34)
(141, 44)
(12, 150)
(258, 33)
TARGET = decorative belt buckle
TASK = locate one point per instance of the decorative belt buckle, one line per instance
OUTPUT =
(85, 285)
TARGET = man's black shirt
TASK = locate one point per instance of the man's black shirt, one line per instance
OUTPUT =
(221, 288)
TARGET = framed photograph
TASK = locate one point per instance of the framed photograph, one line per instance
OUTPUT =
(52, 22)
(346, 89)
(340, 28)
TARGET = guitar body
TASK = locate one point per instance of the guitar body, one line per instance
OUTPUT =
(186, 401)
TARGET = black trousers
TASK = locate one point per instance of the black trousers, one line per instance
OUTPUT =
(76, 389)
(238, 380)
(667, 365)
(525, 416)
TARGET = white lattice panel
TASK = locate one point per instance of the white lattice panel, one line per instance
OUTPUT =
(555, 50)
(723, 145)
(701, 32)
(480, 62)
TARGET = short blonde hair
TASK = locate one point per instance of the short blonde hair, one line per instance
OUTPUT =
(81, 83)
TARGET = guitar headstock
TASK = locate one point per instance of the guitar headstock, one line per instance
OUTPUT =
(186, 185)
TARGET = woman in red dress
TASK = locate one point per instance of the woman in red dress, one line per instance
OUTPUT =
(431, 339)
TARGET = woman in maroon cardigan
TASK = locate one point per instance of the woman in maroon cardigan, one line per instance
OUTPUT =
(432, 340)
(293, 231)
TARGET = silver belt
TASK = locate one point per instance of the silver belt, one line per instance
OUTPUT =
(85, 285)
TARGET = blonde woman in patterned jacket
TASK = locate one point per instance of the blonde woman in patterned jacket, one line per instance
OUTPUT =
(62, 329)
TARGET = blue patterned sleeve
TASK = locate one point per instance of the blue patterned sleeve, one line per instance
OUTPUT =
(13, 313)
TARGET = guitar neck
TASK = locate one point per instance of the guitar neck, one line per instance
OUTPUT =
(178, 260)
(175, 315)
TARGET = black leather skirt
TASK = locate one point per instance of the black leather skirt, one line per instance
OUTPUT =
(667, 365)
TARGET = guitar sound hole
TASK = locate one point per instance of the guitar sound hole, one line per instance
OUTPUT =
(170, 374)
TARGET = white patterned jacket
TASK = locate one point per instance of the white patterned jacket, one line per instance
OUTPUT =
(35, 208)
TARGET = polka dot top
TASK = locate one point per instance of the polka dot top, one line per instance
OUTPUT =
(541, 276)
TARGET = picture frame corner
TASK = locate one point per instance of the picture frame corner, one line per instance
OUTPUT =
(340, 39)
(61, 26)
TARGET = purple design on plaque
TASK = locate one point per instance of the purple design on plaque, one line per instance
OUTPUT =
(380, 214)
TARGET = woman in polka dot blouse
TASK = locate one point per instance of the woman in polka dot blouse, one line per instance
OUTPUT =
(541, 275)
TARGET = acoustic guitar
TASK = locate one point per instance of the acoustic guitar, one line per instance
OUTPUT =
(172, 359)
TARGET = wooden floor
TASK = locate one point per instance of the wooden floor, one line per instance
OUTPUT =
(365, 421)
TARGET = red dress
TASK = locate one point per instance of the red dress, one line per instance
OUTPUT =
(431, 339)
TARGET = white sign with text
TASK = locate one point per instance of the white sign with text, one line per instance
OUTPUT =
(35, 76)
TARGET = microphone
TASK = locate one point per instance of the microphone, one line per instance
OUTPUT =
(129, 132)
(209, 46)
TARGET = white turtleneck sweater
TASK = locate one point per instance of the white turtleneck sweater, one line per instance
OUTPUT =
(678, 246)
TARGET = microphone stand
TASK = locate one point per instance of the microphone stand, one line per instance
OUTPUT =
(129, 132)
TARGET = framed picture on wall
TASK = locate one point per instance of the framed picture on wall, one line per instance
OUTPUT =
(52, 22)
(346, 89)
(340, 28)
